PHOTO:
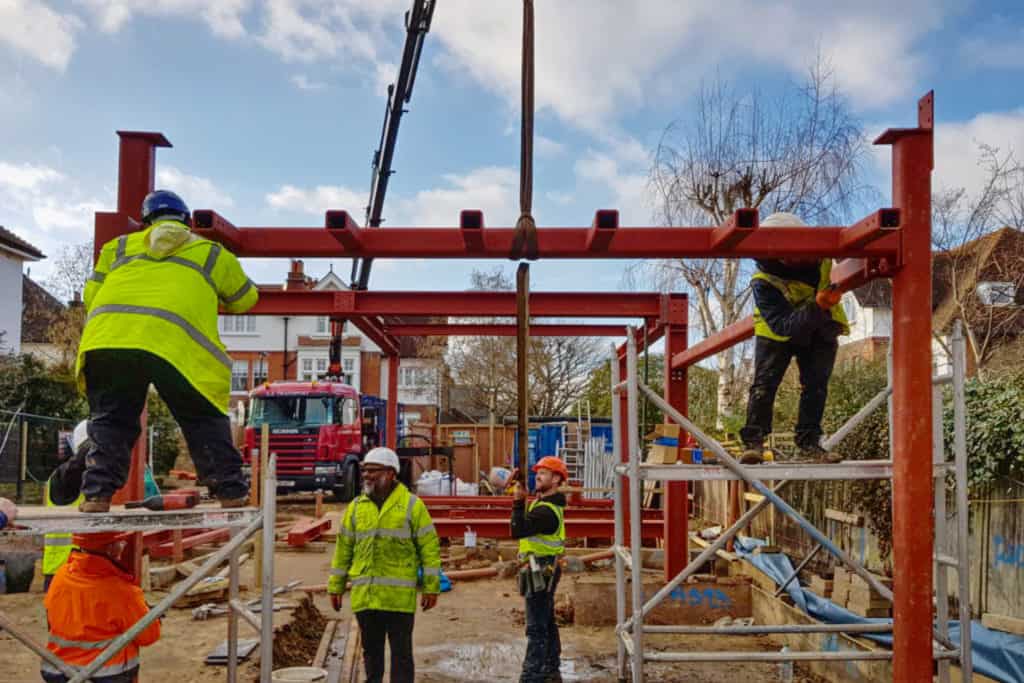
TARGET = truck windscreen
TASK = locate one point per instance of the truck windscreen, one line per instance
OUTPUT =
(292, 411)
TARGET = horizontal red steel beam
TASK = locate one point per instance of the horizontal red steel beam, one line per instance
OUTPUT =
(588, 242)
(847, 274)
(376, 333)
(504, 502)
(306, 530)
(485, 330)
(606, 514)
(212, 536)
(739, 227)
(874, 227)
(574, 528)
(350, 304)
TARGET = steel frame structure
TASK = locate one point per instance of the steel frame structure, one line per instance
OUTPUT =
(630, 630)
(244, 523)
(891, 242)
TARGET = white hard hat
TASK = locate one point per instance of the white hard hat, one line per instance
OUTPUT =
(80, 438)
(383, 456)
(782, 219)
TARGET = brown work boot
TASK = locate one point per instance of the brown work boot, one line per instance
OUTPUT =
(752, 455)
(234, 502)
(819, 455)
(95, 505)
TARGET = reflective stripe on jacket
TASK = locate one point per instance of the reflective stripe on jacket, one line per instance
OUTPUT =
(158, 290)
(382, 550)
(90, 603)
(57, 547)
(797, 294)
(544, 545)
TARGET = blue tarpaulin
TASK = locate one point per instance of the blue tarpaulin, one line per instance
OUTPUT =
(996, 654)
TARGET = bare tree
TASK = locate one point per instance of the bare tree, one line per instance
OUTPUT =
(978, 238)
(800, 151)
(485, 367)
(71, 268)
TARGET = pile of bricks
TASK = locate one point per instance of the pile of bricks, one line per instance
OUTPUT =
(854, 593)
(821, 586)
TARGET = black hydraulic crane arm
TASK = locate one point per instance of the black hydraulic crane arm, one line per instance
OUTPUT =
(417, 24)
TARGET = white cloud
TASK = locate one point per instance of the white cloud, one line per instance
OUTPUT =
(491, 189)
(315, 201)
(311, 30)
(26, 176)
(956, 146)
(302, 82)
(32, 28)
(562, 198)
(546, 147)
(627, 188)
(53, 215)
(223, 17)
(198, 192)
(386, 74)
(596, 60)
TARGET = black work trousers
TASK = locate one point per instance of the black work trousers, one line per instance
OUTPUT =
(543, 658)
(117, 383)
(814, 360)
(376, 626)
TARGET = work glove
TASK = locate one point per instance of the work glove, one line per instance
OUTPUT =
(828, 297)
(336, 601)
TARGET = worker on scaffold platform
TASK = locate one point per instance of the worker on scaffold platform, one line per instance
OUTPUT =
(796, 314)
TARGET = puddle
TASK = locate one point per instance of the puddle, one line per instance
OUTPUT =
(499, 662)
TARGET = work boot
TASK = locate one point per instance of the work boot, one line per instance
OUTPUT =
(234, 502)
(817, 454)
(95, 505)
(753, 454)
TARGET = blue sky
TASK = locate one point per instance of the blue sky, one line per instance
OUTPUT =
(274, 107)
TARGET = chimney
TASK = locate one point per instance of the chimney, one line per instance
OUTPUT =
(296, 278)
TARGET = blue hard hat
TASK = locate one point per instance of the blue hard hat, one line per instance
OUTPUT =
(164, 203)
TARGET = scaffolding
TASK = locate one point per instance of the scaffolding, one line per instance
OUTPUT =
(245, 523)
(630, 630)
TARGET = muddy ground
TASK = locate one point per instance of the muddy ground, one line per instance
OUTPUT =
(474, 634)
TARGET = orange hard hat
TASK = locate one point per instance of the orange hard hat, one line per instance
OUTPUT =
(550, 462)
(98, 541)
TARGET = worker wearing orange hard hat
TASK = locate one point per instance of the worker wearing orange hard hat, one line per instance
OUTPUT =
(93, 600)
(540, 528)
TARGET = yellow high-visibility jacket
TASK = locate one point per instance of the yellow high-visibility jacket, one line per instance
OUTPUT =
(158, 290)
(381, 551)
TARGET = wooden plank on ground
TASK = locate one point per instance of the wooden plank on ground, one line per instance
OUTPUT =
(998, 622)
(325, 644)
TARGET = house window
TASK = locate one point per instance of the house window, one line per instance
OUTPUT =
(259, 372)
(237, 324)
(321, 365)
(321, 324)
(414, 377)
(307, 365)
(240, 376)
(349, 364)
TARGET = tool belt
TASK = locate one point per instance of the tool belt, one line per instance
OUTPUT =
(537, 575)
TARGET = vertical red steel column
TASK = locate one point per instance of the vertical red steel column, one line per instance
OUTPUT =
(913, 523)
(676, 507)
(392, 426)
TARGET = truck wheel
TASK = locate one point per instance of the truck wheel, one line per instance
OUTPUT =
(349, 487)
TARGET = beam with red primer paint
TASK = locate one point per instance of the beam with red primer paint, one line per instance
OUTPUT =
(210, 536)
(308, 529)
(498, 330)
(498, 527)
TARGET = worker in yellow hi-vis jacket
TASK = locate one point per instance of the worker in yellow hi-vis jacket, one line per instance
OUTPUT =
(151, 318)
(388, 550)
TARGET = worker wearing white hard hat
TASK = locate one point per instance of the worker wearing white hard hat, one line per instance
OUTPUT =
(796, 315)
(63, 490)
(388, 550)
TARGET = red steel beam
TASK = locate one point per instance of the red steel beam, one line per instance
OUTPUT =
(445, 512)
(912, 481)
(876, 226)
(505, 502)
(212, 226)
(676, 493)
(376, 333)
(739, 227)
(211, 536)
(498, 527)
(485, 330)
(350, 304)
(599, 236)
(582, 243)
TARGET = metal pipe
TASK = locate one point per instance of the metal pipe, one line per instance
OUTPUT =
(962, 507)
(844, 656)
(52, 659)
(796, 572)
(707, 553)
(941, 587)
(238, 608)
(727, 460)
(857, 418)
(157, 611)
(233, 577)
(635, 502)
(620, 573)
(769, 629)
(267, 616)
